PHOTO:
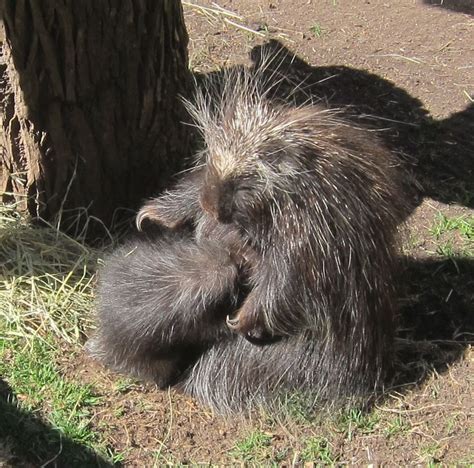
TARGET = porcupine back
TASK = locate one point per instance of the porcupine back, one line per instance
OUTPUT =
(320, 201)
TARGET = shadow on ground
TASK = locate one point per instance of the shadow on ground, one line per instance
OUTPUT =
(438, 153)
(436, 321)
(460, 6)
(27, 441)
(436, 295)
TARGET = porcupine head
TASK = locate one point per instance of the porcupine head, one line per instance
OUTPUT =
(250, 163)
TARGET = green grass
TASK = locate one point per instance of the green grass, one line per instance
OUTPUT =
(253, 448)
(451, 423)
(46, 302)
(354, 421)
(318, 450)
(47, 414)
(124, 385)
(454, 235)
(446, 249)
(396, 426)
(316, 30)
(33, 374)
(430, 453)
(296, 407)
(463, 224)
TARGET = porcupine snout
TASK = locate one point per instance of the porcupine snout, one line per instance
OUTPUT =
(216, 199)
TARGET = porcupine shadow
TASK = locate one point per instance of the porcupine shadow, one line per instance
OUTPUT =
(439, 159)
(440, 153)
(459, 6)
(275, 360)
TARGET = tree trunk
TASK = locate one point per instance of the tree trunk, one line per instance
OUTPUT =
(90, 106)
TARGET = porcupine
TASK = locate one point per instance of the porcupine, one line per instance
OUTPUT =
(312, 204)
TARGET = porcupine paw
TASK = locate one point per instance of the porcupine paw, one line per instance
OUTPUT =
(251, 327)
(150, 213)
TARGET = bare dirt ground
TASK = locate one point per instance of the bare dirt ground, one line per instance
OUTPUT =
(410, 63)
(405, 68)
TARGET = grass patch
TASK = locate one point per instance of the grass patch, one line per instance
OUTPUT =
(317, 30)
(454, 235)
(397, 426)
(318, 450)
(354, 421)
(430, 453)
(46, 303)
(46, 281)
(123, 385)
(33, 375)
(46, 414)
(253, 448)
(463, 224)
(296, 407)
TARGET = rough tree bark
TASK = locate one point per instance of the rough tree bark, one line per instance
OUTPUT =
(89, 100)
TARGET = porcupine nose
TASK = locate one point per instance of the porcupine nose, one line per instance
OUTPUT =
(216, 200)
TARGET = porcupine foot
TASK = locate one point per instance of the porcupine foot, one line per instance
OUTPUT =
(249, 323)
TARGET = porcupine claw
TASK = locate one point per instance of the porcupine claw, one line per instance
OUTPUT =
(141, 216)
(232, 323)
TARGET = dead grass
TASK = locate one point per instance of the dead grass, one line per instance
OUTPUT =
(47, 281)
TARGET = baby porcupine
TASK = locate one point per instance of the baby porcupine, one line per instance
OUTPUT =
(311, 205)
(158, 305)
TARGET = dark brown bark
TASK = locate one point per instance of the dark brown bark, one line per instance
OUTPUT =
(89, 100)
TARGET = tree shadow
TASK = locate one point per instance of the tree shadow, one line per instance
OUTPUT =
(460, 6)
(27, 441)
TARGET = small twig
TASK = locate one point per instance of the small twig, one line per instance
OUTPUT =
(471, 98)
(444, 47)
(416, 410)
(241, 26)
(217, 11)
(227, 12)
(410, 59)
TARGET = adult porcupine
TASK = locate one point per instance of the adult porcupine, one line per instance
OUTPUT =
(309, 206)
